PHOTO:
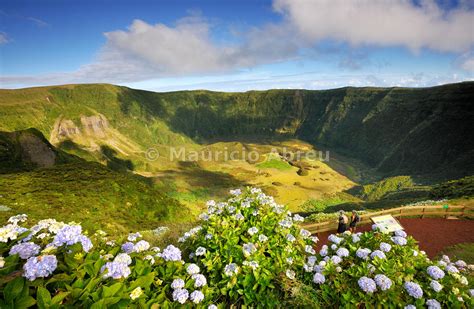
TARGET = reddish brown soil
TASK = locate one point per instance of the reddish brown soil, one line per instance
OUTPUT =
(433, 234)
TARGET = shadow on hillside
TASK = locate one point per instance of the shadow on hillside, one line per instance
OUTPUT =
(196, 177)
(115, 163)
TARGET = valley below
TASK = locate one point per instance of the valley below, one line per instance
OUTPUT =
(314, 151)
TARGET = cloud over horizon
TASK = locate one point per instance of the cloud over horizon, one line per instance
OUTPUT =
(187, 48)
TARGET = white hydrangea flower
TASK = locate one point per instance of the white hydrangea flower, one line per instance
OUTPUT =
(193, 269)
(290, 274)
(231, 269)
(200, 251)
(253, 230)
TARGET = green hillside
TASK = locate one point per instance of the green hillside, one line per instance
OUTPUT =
(66, 187)
(394, 130)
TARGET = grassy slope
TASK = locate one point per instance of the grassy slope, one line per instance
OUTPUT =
(87, 193)
(75, 189)
(396, 130)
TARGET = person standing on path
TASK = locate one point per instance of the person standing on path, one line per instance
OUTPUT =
(354, 220)
(343, 220)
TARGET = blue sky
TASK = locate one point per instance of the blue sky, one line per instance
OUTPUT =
(236, 45)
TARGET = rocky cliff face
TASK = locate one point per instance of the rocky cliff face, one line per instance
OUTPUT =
(66, 129)
(28, 149)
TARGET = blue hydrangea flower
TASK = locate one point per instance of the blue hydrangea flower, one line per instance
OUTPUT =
(363, 253)
(67, 235)
(451, 269)
(193, 269)
(134, 236)
(196, 297)
(25, 250)
(319, 278)
(324, 250)
(141, 246)
(367, 285)
(399, 240)
(336, 259)
(40, 267)
(435, 272)
(385, 247)
(85, 242)
(312, 260)
(199, 280)
(433, 304)
(409, 307)
(436, 286)
(413, 289)
(116, 270)
(171, 253)
(127, 247)
(177, 283)
(401, 233)
(460, 264)
(70, 235)
(123, 258)
(180, 295)
(377, 254)
(383, 282)
(342, 252)
(355, 238)
(334, 239)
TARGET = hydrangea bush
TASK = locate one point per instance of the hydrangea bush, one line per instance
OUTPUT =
(248, 251)
(54, 264)
(375, 269)
(249, 246)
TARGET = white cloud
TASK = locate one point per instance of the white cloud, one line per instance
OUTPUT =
(466, 61)
(3, 38)
(382, 23)
(148, 51)
(188, 49)
(38, 22)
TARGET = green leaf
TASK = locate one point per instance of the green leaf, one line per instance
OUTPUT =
(25, 302)
(58, 298)
(109, 291)
(43, 297)
(144, 281)
(13, 289)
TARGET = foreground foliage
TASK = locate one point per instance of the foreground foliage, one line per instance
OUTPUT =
(247, 251)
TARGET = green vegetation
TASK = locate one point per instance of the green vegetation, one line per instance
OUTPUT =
(463, 251)
(275, 163)
(38, 179)
(458, 188)
(381, 189)
(246, 252)
(361, 122)
(90, 193)
(330, 202)
(116, 126)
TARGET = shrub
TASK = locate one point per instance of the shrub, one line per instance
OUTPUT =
(248, 251)
(248, 246)
(75, 270)
(374, 269)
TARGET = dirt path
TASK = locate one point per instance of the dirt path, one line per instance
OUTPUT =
(433, 234)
